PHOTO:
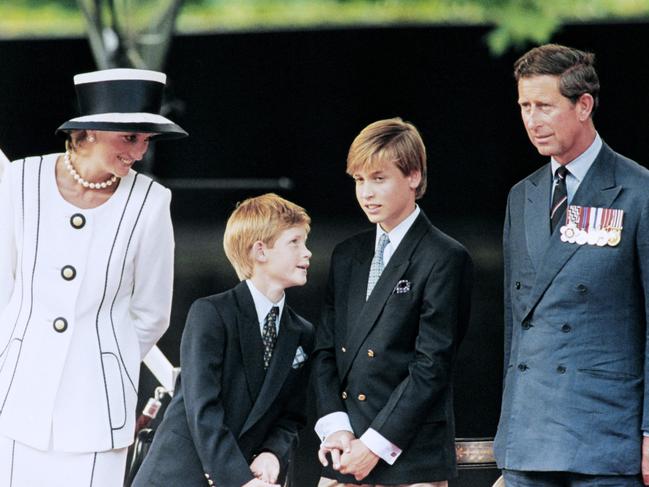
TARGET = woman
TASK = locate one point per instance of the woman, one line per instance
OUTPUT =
(86, 268)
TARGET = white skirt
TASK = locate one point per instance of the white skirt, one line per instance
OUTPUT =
(24, 466)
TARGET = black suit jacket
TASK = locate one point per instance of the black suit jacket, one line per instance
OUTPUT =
(388, 362)
(227, 408)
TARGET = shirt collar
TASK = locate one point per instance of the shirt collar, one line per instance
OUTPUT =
(398, 232)
(579, 166)
(263, 305)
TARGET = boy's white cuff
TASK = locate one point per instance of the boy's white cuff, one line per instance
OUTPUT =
(381, 446)
(331, 423)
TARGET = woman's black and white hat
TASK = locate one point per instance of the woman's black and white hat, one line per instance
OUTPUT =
(122, 100)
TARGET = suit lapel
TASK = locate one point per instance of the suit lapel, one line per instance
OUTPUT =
(537, 214)
(280, 365)
(359, 274)
(252, 347)
(367, 314)
(598, 189)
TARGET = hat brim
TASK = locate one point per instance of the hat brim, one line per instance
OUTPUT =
(163, 131)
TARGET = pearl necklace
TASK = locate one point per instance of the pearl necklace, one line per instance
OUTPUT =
(83, 182)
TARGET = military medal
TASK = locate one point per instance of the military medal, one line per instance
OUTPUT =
(592, 226)
(614, 237)
(602, 238)
(582, 237)
(568, 233)
(583, 225)
(569, 230)
(615, 227)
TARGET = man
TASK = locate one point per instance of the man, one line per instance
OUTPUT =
(396, 308)
(576, 250)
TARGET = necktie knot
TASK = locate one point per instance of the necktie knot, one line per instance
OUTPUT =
(384, 240)
(273, 314)
(561, 172)
(269, 334)
(376, 267)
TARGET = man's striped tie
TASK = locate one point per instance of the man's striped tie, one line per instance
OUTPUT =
(559, 198)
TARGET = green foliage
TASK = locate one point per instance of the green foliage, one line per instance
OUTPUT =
(47, 19)
(519, 23)
(516, 22)
(36, 4)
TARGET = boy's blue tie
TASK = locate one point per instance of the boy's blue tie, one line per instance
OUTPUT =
(269, 335)
(376, 268)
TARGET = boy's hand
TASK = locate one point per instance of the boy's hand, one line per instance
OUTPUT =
(359, 462)
(265, 467)
(336, 444)
(259, 483)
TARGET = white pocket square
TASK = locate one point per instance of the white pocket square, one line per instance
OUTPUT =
(403, 286)
(300, 358)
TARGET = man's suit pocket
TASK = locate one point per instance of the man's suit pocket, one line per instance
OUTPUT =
(608, 374)
(402, 296)
(609, 393)
(402, 287)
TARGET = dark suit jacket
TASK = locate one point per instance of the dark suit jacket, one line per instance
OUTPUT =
(226, 409)
(388, 362)
(575, 394)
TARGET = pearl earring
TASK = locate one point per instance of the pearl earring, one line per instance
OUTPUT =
(91, 138)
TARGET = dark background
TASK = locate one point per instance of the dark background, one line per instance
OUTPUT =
(289, 103)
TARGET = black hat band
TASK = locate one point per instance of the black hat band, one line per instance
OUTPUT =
(119, 96)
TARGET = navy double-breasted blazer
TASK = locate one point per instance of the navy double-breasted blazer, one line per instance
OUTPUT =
(387, 362)
(575, 329)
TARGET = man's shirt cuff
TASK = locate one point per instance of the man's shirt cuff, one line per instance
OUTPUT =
(380, 446)
(331, 423)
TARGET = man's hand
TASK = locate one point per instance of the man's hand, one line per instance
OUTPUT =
(259, 483)
(335, 444)
(645, 460)
(359, 462)
(265, 467)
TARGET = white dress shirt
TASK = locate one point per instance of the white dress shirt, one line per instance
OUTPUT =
(578, 167)
(263, 305)
(339, 421)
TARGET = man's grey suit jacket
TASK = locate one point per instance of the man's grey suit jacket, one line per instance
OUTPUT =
(575, 329)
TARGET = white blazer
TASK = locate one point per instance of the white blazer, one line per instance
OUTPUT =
(3, 163)
(84, 294)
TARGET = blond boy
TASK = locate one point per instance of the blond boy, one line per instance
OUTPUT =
(396, 308)
(240, 399)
